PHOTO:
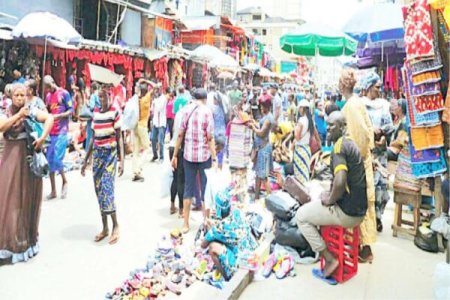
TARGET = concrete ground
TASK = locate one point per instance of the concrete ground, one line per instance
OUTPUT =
(400, 270)
(71, 266)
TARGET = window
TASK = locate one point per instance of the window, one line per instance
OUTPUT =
(264, 32)
(256, 17)
(255, 31)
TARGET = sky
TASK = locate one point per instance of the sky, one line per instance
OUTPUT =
(330, 12)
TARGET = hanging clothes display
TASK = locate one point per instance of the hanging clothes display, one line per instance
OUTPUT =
(424, 157)
(418, 31)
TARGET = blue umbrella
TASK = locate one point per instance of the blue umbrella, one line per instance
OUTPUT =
(376, 23)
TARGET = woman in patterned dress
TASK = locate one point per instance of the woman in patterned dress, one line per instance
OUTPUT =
(107, 149)
(303, 131)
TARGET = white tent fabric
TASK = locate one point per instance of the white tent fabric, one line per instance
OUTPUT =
(46, 25)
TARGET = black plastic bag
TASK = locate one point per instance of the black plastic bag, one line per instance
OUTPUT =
(282, 205)
(288, 234)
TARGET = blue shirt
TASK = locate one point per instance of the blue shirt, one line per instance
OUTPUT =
(320, 122)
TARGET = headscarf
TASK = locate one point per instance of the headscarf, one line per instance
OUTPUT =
(369, 80)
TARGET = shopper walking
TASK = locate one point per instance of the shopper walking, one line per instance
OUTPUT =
(197, 135)
(59, 104)
(169, 111)
(159, 124)
(141, 141)
(106, 147)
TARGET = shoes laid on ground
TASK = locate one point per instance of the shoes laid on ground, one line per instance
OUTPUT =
(138, 178)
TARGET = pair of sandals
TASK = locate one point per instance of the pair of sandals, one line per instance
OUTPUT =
(113, 239)
(63, 193)
(281, 266)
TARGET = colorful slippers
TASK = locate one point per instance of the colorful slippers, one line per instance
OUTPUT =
(319, 274)
(269, 264)
(284, 267)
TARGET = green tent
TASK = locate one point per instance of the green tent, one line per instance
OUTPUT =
(311, 39)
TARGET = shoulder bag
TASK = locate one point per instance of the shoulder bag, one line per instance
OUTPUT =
(36, 159)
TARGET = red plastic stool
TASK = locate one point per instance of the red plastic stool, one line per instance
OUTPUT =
(343, 243)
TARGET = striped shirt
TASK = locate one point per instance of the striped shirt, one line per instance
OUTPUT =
(104, 125)
(199, 129)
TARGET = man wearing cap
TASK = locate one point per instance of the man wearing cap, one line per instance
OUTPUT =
(197, 135)
(59, 104)
(277, 102)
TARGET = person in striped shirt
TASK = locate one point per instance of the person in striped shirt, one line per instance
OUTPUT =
(107, 149)
(197, 135)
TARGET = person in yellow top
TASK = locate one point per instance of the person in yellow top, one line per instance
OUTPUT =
(361, 132)
(292, 109)
(141, 140)
(280, 136)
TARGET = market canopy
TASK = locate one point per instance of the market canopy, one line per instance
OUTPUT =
(46, 25)
(207, 52)
(311, 39)
(223, 61)
(376, 23)
(103, 75)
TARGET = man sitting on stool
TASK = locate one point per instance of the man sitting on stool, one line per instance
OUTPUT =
(346, 204)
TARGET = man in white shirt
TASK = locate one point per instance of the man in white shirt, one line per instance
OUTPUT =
(159, 124)
(277, 103)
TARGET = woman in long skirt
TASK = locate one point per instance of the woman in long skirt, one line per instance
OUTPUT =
(21, 190)
(107, 149)
(304, 129)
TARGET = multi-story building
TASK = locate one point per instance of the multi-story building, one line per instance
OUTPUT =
(267, 29)
(226, 8)
(287, 9)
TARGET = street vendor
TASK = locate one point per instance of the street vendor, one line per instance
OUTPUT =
(346, 204)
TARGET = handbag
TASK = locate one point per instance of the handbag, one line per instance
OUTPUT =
(294, 188)
(36, 159)
(314, 142)
(86, 113)
(282, 205)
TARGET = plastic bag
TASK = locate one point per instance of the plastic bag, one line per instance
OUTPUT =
(215, 182)
(282, 205)
(39, 165)
(288, 234)
(131, 113)
(441, 281)
(166, 180)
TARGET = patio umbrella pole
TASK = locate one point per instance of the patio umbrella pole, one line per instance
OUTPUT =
(43, 67)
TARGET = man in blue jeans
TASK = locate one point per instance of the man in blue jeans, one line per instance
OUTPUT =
(159, 124)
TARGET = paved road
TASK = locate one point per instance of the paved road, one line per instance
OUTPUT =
(72, 266)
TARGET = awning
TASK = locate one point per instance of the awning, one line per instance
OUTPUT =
(103, 75)
(5, 35)
(201, 23)
(152, 54)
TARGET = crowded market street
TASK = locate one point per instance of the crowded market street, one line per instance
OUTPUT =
(74, 267)
(224, 149)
